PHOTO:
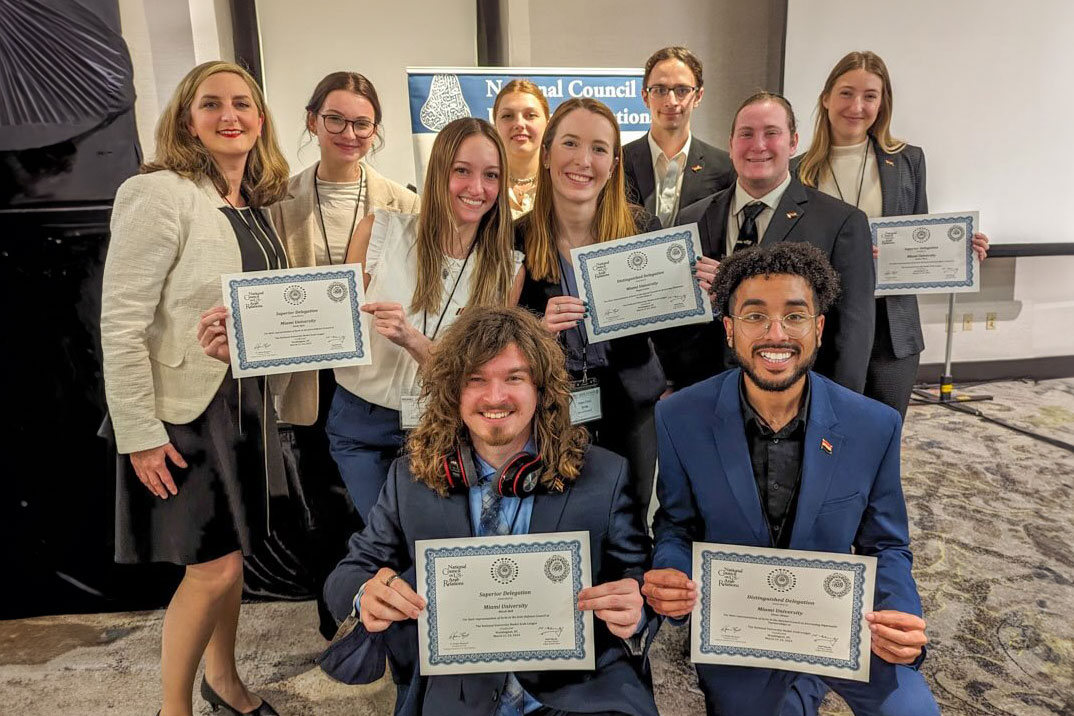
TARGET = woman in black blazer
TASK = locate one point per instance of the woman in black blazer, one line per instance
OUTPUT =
(854, 158)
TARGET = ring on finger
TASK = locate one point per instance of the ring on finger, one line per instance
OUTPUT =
(389, 580)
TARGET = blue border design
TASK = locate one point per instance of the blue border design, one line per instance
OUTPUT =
(875, 224)
(858, 570)
(700, 306)
(240, 343)
(431, 555)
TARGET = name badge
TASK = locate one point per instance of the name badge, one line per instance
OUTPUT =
(585, 401)
(411, 408)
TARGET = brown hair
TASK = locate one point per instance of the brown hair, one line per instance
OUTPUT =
(817, 156)
(264, 180)
(614, 218)
(493, 243)
(674, 53)
(477, 337)
(525, 87)
(351, 82)
(765, 96)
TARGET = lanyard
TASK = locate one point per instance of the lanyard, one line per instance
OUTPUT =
(354, 221)
(447, 303)
(861, 178)
(581, 334)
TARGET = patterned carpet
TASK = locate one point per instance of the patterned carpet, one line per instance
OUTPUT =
(992, 519)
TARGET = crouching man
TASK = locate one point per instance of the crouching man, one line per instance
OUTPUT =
(496, 387)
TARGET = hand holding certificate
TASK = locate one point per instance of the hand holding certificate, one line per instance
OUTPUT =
(926, 254)
(641, 283)
(295, 319)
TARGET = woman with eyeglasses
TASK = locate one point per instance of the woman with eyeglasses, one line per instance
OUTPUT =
(520, 113)
(854, 158)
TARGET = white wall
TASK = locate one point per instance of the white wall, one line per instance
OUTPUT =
(303, 41)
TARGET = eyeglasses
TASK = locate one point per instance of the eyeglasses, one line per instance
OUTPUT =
(681, 91)
(335, 124)
(795, 325)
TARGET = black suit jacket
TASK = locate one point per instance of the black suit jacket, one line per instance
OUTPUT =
(599, 502)
(708, 170)
(692, 353)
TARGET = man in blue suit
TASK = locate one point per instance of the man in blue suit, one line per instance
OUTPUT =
(771, 454)
(497, 397)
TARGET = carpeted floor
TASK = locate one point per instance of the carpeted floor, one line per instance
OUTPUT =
(992, 522)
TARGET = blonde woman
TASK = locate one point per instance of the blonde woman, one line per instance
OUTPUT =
(521, 115)
(421, 271)
(198, 450)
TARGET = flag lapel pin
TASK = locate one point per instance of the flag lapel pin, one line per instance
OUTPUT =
(792, 214)
(889, 162)
(826, 446)
(695, 168)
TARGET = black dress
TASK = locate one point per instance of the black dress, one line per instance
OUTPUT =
(232, 451)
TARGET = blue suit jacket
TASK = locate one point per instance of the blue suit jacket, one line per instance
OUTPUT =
(851, 498)
(599, 501)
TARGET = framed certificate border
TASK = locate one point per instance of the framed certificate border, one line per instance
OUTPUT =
(574, 546)
(349, 275)
(967, 221)
(857, 591)
(587, 254)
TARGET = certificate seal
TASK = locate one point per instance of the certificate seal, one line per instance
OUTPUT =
(781, 580)
(637, 261)
(837, 585)
(956, 233)
(676, 253)
(504, 570)
(556, 568)
(294, 294)
(921, 234)
(337, 291)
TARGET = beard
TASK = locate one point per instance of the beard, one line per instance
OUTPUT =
(781, 384)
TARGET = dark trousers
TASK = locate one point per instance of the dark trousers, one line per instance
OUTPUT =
(889, 379)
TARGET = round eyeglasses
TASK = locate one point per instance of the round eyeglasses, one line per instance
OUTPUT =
(334, 124)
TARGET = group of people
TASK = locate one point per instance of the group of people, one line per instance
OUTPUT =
(476, 316)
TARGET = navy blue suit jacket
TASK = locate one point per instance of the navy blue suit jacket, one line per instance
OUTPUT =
(599, 501)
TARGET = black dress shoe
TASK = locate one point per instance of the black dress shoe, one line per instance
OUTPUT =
(216, 702)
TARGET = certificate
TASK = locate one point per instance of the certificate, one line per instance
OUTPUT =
(926, 254)
(295, 319)
(504, 603)
(783, 609)
(641, 283)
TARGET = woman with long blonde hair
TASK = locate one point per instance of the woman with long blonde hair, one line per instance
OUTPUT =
(855, 158)
(195, 212)
(520, 112)
(421, 271)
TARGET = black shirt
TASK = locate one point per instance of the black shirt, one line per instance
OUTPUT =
(777, 463)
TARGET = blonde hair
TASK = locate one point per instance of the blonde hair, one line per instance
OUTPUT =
(490, 284)
(264, 180)
(615, 217)
(816, 158)
(477, 337)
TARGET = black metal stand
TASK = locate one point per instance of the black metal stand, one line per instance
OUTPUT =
(946, 392)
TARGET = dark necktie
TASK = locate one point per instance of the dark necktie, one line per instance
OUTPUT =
(747, 231)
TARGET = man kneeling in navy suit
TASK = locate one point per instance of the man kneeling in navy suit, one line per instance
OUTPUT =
(773, 455)
(498, 400)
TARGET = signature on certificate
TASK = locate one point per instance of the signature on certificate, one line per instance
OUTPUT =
(550, 631)
(457, 635)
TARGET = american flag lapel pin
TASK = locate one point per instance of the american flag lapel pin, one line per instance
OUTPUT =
(695, 168)
(792, 214)
(825, 445)
(889, 162)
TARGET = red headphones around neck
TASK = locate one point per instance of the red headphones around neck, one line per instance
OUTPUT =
(518, 477)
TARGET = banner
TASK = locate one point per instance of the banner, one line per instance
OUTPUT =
(439, 95)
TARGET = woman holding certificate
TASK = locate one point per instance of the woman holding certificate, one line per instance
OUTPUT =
(198, 450)
(521, 115)
(421, 271)
(581, 200)
(854, 157)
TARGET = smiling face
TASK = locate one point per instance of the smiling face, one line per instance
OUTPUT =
(581, 156)
(345, 147)
(224, 117)
(773, 360)
(669, 113)
(498, 402)
(520, 121)
(475, 180)
(852, 105)
(762, 145)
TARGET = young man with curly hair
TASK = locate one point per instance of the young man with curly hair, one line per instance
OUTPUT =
(496, 386)
(771, 454)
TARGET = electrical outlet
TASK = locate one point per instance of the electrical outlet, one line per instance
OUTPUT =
(990, 321)
(967, 321)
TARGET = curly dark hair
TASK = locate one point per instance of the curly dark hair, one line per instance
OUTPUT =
(479, 335)
(793, 258)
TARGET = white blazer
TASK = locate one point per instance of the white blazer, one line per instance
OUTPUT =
(170, 244)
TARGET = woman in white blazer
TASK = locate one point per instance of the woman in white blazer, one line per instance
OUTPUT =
(192, 215)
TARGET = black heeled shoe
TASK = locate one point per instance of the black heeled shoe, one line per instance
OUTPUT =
(216, 702)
